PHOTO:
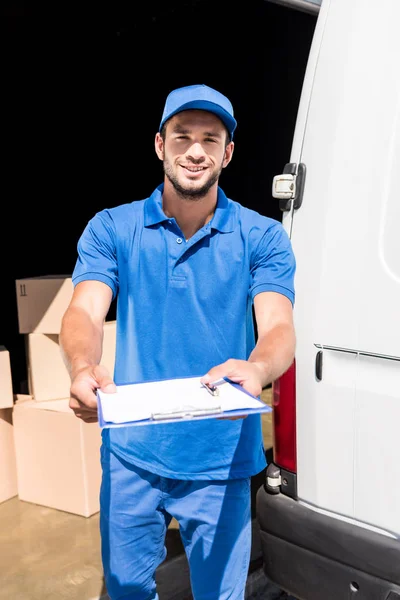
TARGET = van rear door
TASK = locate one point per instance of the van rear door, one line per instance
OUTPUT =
(348, 264)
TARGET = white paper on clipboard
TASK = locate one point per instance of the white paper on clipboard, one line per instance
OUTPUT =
(173, 400)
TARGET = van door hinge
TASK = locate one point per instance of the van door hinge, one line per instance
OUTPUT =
(289, 186)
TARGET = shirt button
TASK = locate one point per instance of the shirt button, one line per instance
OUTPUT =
(179, 240)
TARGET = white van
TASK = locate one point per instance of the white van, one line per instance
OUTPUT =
(329, 512)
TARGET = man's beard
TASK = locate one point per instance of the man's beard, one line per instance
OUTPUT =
(187, 192)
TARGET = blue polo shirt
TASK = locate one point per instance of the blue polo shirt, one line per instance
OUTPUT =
(183, 307)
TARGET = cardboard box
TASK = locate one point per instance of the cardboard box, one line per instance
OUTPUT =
(6, 387)
(42, 302)
(57, 457)
(8, 470)
(48, 378)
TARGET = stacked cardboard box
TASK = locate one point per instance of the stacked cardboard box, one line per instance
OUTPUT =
(6, 388)
(57, 454)
(8, 471)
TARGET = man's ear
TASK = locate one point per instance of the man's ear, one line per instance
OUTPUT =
(228, 154)
(159, 146)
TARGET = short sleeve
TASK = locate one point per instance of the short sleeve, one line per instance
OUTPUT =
(273, 263)
(97, 257)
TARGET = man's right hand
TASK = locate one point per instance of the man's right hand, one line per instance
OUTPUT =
(84, 386)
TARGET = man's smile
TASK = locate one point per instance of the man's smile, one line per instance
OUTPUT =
(193, 169)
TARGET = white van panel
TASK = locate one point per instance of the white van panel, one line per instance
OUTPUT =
(323, 237)
(376, 472)
(389, 242)
(380, 281)
(326, 468)
(343, 188)
(348, 255)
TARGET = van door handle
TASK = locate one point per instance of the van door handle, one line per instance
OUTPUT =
(318, 365)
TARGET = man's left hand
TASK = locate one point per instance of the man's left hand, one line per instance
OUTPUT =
(249, 375)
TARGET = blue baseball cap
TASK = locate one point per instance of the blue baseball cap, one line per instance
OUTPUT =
(200, 97)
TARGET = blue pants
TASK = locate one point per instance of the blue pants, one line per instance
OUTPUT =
(136, 508)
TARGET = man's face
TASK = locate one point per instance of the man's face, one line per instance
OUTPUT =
(194, 152)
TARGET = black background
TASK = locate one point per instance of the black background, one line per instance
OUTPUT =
(83, 97)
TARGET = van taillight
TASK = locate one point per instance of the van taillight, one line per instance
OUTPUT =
(284, 419)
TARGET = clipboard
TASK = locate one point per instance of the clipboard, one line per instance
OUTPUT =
(175, 400)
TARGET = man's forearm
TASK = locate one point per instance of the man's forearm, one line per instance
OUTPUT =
(80, 340)
(274, 352)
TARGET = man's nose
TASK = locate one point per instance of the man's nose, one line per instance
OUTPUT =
(196, 152)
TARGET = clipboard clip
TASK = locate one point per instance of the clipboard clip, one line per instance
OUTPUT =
(186, 413)
(211, 389)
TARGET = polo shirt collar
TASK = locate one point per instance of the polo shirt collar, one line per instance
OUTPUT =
(223, 219)
(153, 211)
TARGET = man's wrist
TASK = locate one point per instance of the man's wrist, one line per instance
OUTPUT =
(78, 366)
(264, 371)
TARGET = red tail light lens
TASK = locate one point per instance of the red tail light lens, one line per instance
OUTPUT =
(284, 419)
